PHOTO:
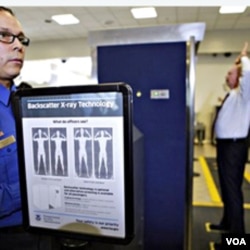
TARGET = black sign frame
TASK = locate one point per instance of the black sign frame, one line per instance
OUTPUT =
(24, 96)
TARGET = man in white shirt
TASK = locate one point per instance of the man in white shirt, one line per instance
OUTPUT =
(231, 130)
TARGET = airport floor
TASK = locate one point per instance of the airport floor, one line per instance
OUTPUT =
(207, 205)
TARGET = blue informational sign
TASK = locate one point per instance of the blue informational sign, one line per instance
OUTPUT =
(75, 151)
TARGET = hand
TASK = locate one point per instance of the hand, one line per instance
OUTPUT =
(243, 53)
(244, 50)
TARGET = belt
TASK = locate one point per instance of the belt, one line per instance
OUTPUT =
(231, 139)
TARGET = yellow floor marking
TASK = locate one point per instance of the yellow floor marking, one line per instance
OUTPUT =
(211, 204)
(207, 226)
(247, 176)
(208, 230)
(213, 191)
(211, 245)
(207, 204)
(247, 205)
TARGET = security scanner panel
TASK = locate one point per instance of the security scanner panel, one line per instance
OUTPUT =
(76, 161)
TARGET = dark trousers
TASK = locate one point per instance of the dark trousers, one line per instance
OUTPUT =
(231, 159)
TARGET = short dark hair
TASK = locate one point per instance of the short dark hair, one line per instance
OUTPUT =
(2, 8)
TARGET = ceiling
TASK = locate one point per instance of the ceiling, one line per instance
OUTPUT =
(37, 24)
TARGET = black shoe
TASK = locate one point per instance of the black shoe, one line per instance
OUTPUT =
(217, 246)
(219, 227)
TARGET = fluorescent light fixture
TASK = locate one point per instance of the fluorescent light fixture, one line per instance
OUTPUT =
(65, 19)
(232, 9)
(147, 12)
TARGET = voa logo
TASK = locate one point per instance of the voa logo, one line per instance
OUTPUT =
(236, 241)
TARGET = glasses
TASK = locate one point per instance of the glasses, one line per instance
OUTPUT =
(6, 37)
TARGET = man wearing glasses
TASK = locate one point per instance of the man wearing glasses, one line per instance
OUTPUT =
(12, 50)
(13, 43)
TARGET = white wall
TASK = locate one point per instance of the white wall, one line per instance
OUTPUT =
(224, 41)
(58, 49)
(213, 42)
(65, 60)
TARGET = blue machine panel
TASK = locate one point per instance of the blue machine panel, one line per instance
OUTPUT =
(148, 67)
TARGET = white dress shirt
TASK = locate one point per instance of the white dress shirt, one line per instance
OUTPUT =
(233, 119)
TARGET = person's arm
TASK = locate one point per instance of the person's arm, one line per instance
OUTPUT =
(88, 134)
(108, 134)
(97, 134)
(63, 136)
(245, 73)
(242, 54)
(45, 135)
(34, 136)
(76, 133)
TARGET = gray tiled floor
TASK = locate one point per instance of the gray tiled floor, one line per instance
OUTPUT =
(200, 188)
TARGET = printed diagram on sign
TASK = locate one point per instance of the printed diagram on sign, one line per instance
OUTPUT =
(103, 153)
(92, 157)
(101, 166)
(41, 153)
(47, 197)
(58, 151)
(83, 149)
(49, 147)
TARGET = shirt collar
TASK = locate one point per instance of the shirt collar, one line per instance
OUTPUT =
(5, 94)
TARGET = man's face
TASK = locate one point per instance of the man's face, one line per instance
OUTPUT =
(232, 77)
(11, 55)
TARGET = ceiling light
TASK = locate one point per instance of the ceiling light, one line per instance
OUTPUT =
(65, 19)
(147, 12)
(232, 9)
